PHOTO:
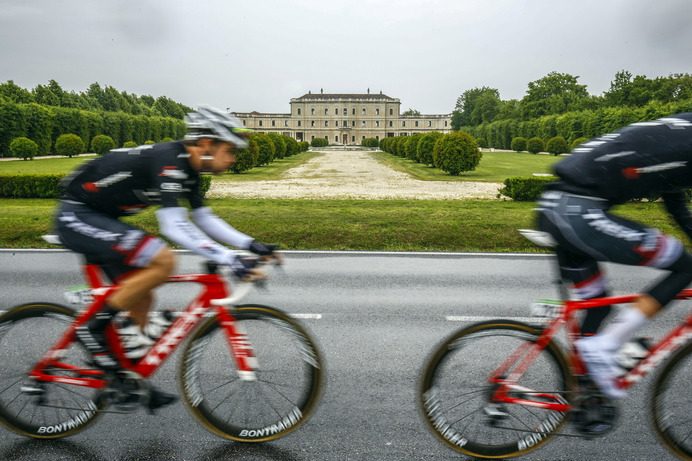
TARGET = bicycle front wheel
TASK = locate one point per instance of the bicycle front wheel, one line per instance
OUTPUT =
(289, 377)
(36, 408)
(671, 405)
(455, 391)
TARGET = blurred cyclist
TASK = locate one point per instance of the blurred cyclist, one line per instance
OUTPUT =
(126, 181)
(642, 160)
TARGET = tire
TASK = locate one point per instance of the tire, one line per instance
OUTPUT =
(671, 405)
(288, 385)
(454, 391)
(26, 333)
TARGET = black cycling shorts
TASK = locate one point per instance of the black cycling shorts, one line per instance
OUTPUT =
(117, 247)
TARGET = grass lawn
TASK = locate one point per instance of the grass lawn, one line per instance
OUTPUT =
(494, 166)
(377, 225)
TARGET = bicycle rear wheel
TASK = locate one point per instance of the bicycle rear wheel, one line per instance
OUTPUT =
(671, 405)
(289, 378)
(41, 409)
(454, 393)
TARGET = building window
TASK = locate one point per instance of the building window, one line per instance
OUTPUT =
(345, 123)
(326, 123)
(312, 111)
(336, 123)
(336, 138)
(336, 111)
(327, 138)
(353, 139)
(260, 123)
(354, 111)
(391, 111)
(445, 122)
(243, 122)
(403, 123)
(377, 137)
(429, 123)
(416, 123)
(363, 124)
(311, 138)
(377, 123)
(363, 110)
(273, 123)
(345, 111)
(326, 111)
(299, 124)
(390, 123)
(312, 123)
(285, 122)
(299, 111)
(353, 123)
(377, 111)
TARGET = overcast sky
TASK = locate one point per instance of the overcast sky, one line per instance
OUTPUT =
(258, 54)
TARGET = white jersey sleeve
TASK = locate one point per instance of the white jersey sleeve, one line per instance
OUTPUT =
(220, 230)
(175, 225)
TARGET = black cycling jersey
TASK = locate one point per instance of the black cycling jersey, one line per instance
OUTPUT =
(634, 162)
(126, 181)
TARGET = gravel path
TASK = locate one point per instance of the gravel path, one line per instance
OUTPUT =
(353, 175)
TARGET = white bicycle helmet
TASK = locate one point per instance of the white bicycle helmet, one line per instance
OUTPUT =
(209, 122)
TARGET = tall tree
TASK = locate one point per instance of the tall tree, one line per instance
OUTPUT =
(463, 114)
(555, 93)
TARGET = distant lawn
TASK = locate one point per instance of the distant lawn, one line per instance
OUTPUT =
(494, 166)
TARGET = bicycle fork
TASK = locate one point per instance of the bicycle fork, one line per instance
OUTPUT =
(243, 352)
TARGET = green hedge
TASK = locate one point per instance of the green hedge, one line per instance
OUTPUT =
(525, 189)
(48, 185)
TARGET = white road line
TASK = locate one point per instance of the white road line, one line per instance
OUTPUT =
(474, 318)
(307, 316)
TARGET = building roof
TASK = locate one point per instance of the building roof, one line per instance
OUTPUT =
(323, 96)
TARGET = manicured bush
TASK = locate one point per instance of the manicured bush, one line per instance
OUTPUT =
(69, 144)
(204, 184)
(525, 189)
(411, 146)
(247, 158)
(23, 148)
(578, 142)
(101, 144)
(426, 145)
(457, 152)
(130, 144)
(266, 149)
(319, 142)
(370, 142)
(292, 146)
(557, 145)
(304, 146)
(535, 145)
(166, 139)
(149, 141)
(279, 145)
(518, 144)
(31, 186)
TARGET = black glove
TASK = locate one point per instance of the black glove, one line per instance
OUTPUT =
(242, 267)
(262, 249)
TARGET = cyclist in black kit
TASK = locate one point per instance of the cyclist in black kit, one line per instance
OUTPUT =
(641, 160)
(126, 181)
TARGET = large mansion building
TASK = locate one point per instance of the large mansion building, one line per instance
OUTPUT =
(344, 119)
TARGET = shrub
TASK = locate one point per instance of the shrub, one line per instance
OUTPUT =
(101, 144)
(557, 145)
(319, 142)
(204, 184)
(31, 186)
(578, 142)
(411, 146)
(266, 149)
(291, 146)
(535, 145)
(130, 144)
(304, 146)
(149, 141)
(23, 148)
(482, 143)
(69, 144)
(370, 142)
(247, 158)
(166, 139)
(518, 144)
(279, 145)
(525, 189)
(457, 152)
(426, 145)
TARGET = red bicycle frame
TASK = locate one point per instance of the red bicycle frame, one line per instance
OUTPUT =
(510, 371)
(213, 298)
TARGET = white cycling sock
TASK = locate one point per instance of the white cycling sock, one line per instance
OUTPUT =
(614, 335)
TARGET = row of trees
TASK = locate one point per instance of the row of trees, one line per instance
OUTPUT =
(94, 99)
(557, 105)
(265, 148)
(453, 153)
(45, 124)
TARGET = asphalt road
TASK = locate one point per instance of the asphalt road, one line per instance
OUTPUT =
(376, 317)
